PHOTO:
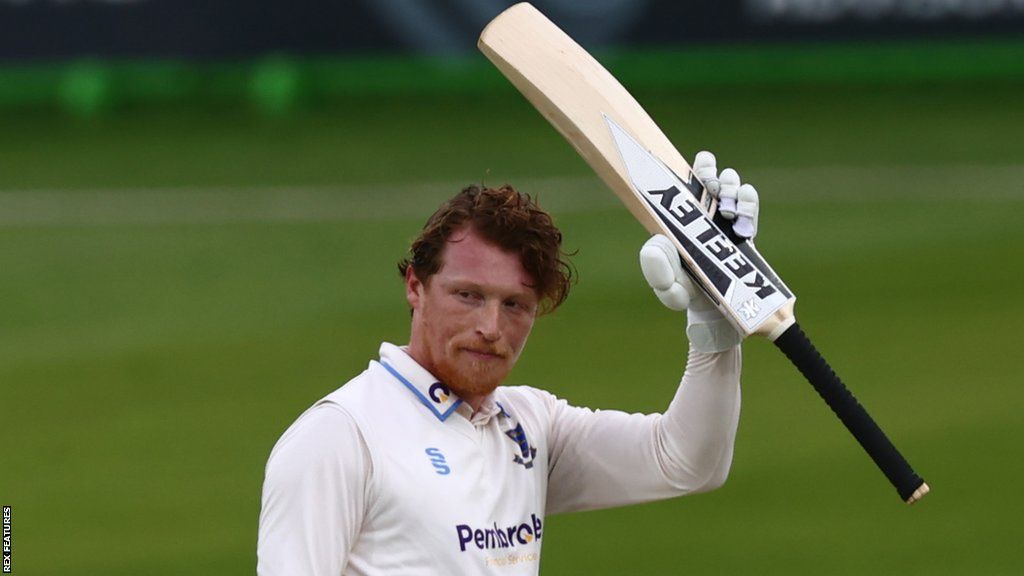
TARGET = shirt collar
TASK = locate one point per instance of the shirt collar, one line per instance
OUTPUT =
(427, 389)
(488, 409)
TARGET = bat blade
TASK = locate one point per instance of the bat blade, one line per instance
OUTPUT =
(623, 145)
(551, 69)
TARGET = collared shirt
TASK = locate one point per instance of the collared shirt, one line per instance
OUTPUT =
(394, 474)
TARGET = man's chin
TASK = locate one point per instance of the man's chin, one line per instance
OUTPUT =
(475, 390)
(472, 383)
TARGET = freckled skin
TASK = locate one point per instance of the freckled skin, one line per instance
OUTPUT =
(471, 319)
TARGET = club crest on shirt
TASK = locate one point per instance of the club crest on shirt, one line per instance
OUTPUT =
(514, 430)
(526, 452)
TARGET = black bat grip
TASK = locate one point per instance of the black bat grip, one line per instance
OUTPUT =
(798, 348)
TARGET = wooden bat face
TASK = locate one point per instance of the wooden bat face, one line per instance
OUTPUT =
(634, 158)
(624, 146)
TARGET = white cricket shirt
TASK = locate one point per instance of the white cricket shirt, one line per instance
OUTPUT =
(391, 474)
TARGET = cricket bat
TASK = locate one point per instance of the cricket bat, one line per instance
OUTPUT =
(621, 142)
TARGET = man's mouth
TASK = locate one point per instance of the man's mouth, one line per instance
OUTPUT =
(484, 354)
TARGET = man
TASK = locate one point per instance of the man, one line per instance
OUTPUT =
(422, 464)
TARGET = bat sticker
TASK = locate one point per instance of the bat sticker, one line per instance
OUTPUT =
(747, 289)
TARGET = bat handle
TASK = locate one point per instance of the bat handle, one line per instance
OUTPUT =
(798, 348)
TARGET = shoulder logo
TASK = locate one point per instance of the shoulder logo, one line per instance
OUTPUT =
(438, 392)
(437, 459)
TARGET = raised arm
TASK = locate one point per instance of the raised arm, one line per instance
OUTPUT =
(606, 458)
(601, 459)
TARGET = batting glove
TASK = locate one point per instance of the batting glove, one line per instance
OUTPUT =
(737, 202)
(660, 263)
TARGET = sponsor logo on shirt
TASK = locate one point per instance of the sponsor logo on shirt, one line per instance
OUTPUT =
(438, 392)
(497, 537)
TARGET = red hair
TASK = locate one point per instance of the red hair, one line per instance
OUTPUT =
(509, 219)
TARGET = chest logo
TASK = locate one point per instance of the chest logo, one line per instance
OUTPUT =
(437, 459)
(526, 452)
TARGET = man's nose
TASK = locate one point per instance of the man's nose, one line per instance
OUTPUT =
(489, 321)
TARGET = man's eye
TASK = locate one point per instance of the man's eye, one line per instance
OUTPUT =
(517, 306)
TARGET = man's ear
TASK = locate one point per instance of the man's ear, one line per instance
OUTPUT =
(413, 288)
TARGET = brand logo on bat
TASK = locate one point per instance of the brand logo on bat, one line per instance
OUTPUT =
(739, 283)
(750, 308)
(695, 225)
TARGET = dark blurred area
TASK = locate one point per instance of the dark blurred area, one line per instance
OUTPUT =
(87, 57)
(34, 30)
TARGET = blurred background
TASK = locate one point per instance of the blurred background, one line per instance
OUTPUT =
(201, 205)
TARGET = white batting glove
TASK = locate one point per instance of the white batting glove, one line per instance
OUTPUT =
(736, 201)
(707, 329)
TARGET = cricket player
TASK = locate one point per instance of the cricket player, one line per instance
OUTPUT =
(426, 464)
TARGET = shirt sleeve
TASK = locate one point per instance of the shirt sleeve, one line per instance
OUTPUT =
(314, 496)
(601, 459)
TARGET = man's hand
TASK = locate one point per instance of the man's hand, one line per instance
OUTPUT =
(660, 263)
(737, 202)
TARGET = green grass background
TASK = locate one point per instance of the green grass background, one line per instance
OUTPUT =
(177, 286)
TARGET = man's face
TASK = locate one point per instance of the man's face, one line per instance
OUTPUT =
(471, 318)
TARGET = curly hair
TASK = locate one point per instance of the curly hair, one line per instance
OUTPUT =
(509, 219)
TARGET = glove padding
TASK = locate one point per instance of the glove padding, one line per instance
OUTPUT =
(736, 201)
(707, 329)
